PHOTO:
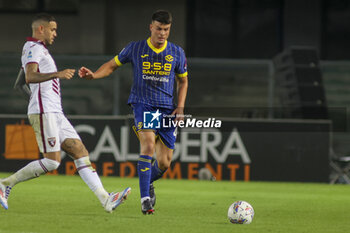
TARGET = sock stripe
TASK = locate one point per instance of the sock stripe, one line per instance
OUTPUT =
(86, 166)
(145, 160)
(43, 167)
(7, 192)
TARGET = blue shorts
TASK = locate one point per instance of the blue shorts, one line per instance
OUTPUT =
(156, 119)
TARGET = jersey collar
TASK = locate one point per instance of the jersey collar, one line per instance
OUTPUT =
(36, 40)
(156, 50)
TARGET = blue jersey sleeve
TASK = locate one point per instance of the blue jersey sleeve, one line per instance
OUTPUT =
(181, 65)
(125, 55)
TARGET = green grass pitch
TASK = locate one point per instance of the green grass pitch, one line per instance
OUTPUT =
(64, 204)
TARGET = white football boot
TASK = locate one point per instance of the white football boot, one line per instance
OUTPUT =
(4, 193)
(115, 199)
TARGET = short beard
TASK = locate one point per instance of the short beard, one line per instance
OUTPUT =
(48, 44)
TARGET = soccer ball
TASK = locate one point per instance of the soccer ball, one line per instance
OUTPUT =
(240, 212)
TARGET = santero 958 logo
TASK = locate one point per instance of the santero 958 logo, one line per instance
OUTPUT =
(156, 68)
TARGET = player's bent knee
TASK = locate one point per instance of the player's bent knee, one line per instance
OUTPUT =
(50, 164)
(164, 165)
(148, 149)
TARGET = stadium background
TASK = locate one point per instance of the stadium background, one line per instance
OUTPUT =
(230, 46)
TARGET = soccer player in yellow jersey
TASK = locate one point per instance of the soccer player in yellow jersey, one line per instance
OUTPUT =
(157, 65)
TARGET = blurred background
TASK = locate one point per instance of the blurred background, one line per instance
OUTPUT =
(258, 59)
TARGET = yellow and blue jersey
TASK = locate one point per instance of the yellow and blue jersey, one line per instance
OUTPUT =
(154, 71)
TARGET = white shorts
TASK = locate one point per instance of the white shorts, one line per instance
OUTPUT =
(51, 129)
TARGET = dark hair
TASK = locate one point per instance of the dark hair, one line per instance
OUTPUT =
(162, 16)
(43, 17)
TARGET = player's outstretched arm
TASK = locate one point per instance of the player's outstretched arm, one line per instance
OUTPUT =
(33, 76)
(105, 70)
(85, 73)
